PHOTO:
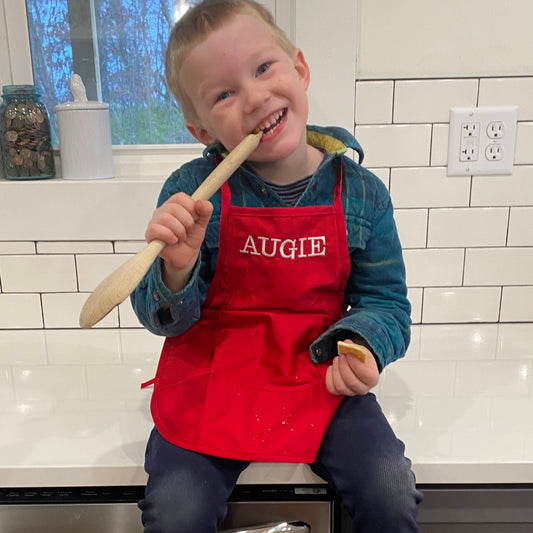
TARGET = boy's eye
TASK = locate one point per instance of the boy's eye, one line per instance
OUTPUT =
(223, 96)
(263, 68)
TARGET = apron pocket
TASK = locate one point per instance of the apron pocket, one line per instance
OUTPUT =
(265, 423)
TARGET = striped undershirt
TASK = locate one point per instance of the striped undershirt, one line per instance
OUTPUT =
(291, 193)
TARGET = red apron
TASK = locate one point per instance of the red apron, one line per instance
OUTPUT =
(240, 383)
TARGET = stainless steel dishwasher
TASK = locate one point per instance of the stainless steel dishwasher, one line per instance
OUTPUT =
(114, 509)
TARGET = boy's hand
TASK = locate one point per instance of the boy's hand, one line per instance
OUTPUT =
(349, 376)
(181, 223)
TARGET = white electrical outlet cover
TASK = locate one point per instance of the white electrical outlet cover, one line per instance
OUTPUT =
(482, 140)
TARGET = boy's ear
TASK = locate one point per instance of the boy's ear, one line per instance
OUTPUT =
(199, 133)
(302, 68)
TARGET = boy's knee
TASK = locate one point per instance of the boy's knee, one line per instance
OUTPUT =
(394, 487)
(166, 517)
(388, 500)
(169, 511)
(171, 519)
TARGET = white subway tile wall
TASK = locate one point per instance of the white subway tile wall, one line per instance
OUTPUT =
(427, 187)
(93, 268)
(395, 145)
(38, 273)
(501, 91)
(461, 304)
(517, 303)
(429, 101)
(523, 142)
(520, 226)
(16, 248)
(468, 248)
(374, 102)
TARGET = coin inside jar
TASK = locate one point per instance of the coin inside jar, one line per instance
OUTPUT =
(25, 139)
(11, 112)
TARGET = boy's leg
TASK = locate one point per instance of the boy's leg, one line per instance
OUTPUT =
(187, 492)
(364, 463)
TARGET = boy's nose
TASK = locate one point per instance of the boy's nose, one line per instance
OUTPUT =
(255, 96)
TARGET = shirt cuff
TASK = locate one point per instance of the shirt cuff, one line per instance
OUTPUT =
(162, 294)
(325, 347)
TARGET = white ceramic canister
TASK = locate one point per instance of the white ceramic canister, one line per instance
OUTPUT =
(84, 136)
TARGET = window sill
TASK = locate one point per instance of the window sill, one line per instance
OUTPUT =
(139, 161)
(109, 209)
(153, 161)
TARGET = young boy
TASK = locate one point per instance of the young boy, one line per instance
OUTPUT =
(253, 290)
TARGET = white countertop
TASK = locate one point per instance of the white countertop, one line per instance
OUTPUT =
(477, 430)
(107, 449)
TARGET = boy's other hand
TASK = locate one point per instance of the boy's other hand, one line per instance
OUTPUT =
(349, 376)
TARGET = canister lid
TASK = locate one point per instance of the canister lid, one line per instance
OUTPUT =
(80, 101)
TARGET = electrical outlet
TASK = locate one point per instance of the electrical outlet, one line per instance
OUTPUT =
(470, 129)
(495, 129)
(469, 149)
(482, 140)
(494, 152)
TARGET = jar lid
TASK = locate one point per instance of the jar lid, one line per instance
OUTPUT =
(8, 90)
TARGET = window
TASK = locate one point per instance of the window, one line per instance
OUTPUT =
(118, 48)
(332, 87)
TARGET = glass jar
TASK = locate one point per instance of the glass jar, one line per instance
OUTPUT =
(25, 141)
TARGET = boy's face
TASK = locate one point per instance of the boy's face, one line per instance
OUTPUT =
(239, 80)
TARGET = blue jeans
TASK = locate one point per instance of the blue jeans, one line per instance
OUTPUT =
(360, 458)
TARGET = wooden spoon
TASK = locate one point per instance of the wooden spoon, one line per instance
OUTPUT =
(116, 287)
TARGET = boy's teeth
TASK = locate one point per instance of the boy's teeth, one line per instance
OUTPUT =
(271, 122)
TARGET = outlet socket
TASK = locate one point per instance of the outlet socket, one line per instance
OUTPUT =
(482, 140)
(494, 152)
(496, 129)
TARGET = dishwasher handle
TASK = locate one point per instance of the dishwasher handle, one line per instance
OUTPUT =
(277, 527)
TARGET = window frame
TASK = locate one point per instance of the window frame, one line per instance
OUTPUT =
(297, 17)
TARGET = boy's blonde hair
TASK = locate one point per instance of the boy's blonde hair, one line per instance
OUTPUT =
(196, 25)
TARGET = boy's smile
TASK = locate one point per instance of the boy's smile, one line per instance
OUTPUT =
(271, 125)
(240, 80)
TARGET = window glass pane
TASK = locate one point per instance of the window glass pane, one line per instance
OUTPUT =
(51, 53)
(118, 48)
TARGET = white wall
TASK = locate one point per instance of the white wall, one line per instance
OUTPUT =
(436, 38)
(331, 56)
(5, 67)
(15, 64)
